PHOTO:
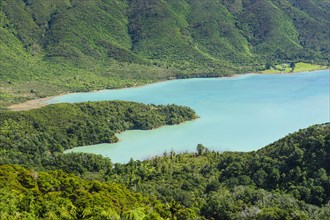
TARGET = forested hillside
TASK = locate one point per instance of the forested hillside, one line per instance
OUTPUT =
(54, 46)
(280, 181)
(26, 194)
(288, 179)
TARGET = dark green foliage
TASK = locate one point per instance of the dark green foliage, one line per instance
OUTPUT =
(55, 46)
(303, 164)
(38, 137)
(288, 179)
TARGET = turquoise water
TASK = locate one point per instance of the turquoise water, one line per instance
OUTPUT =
(242, 113)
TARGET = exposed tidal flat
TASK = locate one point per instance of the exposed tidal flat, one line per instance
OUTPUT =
(241, 113)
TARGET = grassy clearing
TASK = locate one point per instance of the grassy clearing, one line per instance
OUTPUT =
(299, 67)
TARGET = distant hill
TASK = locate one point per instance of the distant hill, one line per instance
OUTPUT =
(53, 46)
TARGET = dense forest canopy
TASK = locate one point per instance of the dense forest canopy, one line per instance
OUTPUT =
(288, 179)
(26, 194)
(54, 46)
(38, 137)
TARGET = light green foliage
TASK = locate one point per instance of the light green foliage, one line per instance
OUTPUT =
(213, 30)
(23, 196)
(292, 67)
(56, 46)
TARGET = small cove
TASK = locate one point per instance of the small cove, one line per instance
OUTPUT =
(241, 113)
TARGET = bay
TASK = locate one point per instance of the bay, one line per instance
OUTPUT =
(241, 113)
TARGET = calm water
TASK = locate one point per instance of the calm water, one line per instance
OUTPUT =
(240, 114)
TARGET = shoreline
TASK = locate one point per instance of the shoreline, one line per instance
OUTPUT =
(30, 104)
(41, 102)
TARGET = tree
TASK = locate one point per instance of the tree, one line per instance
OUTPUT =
(135, 214)
(201, 149)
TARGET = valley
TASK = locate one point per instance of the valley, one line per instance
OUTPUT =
(164, 109)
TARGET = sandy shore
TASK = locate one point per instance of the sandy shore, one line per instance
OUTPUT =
(41, 102)
(31, 104)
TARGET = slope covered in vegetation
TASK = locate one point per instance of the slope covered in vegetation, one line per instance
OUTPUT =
(279, 181)
(288, 179)
(26, 194)
(54, 46)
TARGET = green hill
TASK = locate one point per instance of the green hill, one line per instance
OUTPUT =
(54, 46)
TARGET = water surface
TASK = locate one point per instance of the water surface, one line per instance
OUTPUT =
(242, 113)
